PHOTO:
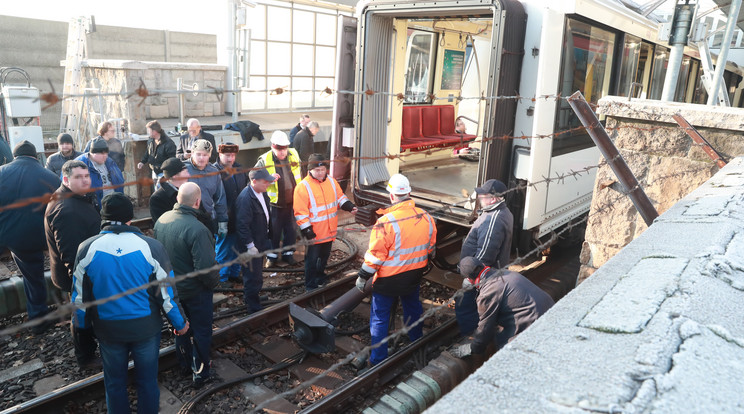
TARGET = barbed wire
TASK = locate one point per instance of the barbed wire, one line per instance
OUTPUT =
(148, 181)
(51, 98)
(244, 258)
(554, 237)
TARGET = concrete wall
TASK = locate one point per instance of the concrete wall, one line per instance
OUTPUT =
(657, 329)
(125, 76)
(667, 163)
(38, 46)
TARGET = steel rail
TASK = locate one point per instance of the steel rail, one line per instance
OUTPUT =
(382, 372)
(93, 385)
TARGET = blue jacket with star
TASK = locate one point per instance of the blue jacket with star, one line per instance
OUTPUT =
(118, 259)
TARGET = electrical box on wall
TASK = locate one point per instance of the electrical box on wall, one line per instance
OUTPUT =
(31, 133)
(21, 101)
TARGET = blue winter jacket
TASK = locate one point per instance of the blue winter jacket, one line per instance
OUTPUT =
(22, 228)
(117, 178)
(116, 260)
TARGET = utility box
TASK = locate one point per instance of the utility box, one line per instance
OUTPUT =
(21, 101)
(31, 133)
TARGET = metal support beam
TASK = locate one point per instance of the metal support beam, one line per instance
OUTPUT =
(678, 39)
(723, 53)
(616, 161)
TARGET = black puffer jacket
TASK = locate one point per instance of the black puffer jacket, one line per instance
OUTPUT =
(190, 247)
(69, 220)
(490, 236)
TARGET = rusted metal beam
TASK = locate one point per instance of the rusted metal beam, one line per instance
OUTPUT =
(616, 161)
(698, 139)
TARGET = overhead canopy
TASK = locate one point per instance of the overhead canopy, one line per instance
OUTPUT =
(725, 5)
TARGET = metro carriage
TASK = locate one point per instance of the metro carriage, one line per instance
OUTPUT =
(439, 52)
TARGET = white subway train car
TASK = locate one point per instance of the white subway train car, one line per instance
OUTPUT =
(444, 55)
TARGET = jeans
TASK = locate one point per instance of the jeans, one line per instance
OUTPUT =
(466, 312)
(282, 227)
(380, 319)
(316, 259)
(252, 284)
(115, 357)
(225, 252)
(194, 347)
(31, 265)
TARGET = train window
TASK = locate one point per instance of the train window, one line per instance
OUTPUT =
(586, 67)
(643, 74)
(419, 61)
(629, 64)
(661, 60)
(684, 72)
(701, 95)
(692, 79)
(731, 81)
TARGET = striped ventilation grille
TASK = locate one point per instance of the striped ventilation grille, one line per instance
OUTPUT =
(375, 107)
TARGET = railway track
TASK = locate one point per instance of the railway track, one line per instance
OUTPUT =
(256, 361)
(267, 333)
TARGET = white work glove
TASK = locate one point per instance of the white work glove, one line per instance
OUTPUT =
(252, 250)
(460, 351)
(360, 283)
(467, 284)
(222, 229)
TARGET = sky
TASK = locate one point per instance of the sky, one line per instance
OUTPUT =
(199, 16)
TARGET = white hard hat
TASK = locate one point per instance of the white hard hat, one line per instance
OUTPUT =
(398, 185)
(279, 138)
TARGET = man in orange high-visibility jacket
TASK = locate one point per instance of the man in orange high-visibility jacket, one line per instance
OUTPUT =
(399, 248)
(317, 199)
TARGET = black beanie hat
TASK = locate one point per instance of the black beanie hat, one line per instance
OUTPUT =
(116, 207)
(24, 148)
(172, 166)
(99, 145)
(65, 139)
(317, 160)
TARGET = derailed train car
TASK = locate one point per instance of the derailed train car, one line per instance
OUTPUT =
(502, 68)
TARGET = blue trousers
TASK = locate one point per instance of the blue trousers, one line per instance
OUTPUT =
(252, 284)
(379, 320)
(225, 252)
(282, 228)
(115, 357)
(194, 347)
(466, 312)
(31, 265)
(316, 259)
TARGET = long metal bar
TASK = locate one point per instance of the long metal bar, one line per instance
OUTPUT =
(337, 400)
(698, 139)
(616, 161)
(723, 53)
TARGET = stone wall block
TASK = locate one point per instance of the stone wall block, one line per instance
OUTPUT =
(158, 112)
(214, 75)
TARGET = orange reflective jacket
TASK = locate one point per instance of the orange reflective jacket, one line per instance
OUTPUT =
(316, 204)
(401, 240)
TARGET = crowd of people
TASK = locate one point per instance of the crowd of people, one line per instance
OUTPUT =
(208, 209)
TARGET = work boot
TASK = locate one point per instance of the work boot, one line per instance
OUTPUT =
(289, 259)
(270, 263)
